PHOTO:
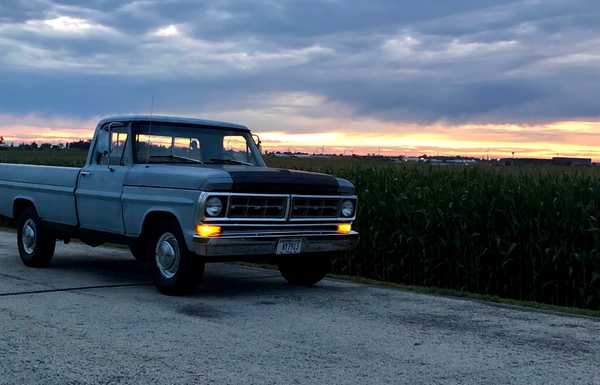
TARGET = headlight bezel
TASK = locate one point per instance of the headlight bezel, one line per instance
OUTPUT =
(347, 211)
(208, 206)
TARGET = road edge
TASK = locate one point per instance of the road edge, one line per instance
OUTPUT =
(456, 294)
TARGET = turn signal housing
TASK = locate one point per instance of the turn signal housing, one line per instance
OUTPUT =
(208, 230)
(344, 228)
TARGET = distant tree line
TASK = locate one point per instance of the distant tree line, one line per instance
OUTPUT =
(83, 145)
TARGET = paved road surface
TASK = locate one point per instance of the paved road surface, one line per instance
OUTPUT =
(246, 326)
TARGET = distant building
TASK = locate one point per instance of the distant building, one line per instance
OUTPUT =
(563, 161)
(556, 161)
(446, 160)
(412, 159)
(524, 161)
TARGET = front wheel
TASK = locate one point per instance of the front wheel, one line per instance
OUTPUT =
(305, 270)
(36, 244)
(176, 271)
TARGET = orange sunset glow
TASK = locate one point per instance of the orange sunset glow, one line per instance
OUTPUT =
(572, 138)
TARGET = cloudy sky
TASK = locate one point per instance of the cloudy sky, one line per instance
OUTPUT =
(460, 76)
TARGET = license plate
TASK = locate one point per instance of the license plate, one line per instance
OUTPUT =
(289, 246)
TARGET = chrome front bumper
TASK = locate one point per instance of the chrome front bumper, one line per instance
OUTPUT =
(258, 244)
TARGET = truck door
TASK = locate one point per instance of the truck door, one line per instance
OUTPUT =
(101, 182)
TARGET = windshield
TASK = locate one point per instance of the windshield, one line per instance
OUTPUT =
(185, 144)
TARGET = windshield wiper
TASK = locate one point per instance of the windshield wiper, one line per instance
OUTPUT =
(176, 159)
(228, 161)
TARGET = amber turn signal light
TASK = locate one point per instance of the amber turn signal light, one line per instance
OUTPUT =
(344, 228)
(208, 230)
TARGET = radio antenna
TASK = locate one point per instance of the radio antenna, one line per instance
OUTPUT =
(149, 143)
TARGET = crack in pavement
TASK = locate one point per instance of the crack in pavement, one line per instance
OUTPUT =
(77, 288)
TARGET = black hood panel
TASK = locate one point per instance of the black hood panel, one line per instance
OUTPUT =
(279, 181)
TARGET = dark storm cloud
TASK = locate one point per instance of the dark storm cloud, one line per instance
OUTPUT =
(459, 61)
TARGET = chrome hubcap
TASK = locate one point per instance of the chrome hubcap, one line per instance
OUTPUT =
(29, 236)
(167, 255)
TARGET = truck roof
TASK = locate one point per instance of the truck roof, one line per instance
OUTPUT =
(172, 119)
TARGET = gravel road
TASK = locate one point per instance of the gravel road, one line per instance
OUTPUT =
(93, 317)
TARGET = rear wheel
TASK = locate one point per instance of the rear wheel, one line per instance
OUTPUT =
(176, 271)
(35, 242)
(305, 270)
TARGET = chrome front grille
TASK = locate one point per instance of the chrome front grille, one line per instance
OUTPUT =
(309, 207)
(262, 207)
(276, 208)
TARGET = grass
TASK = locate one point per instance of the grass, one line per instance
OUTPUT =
(524, 305)
(66, 158)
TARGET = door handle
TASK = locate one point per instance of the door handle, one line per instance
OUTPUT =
(85, 173)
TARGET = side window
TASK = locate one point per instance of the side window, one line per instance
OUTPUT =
(156, 148)
(187, 147)
(148, 146)
(235, 147)
(117, 147)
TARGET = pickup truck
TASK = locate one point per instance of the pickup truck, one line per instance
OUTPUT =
(182, 192)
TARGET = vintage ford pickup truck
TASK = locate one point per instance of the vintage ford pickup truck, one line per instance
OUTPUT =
(182, 192)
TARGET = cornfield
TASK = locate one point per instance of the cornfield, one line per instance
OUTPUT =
(528, 233)
(517, 232)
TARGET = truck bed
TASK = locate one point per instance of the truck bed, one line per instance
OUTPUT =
(52, 190)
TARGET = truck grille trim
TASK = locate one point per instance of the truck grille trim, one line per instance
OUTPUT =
(315, 207)
(257, 207)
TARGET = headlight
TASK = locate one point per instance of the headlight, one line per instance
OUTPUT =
(214, 207)
(347, 209)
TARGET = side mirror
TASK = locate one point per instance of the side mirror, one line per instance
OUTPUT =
(99, 155)
(257, 141)
(103, 145)
(110, 131)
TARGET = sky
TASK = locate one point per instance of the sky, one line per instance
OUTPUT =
(470, 77)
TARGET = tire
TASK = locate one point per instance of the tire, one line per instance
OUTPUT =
(138, 250)
(175, 270)
(305, 270)
(36, 243)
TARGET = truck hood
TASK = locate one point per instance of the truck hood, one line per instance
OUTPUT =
(239, 179)
(281, 181)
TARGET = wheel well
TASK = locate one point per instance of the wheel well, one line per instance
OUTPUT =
(156, 217)
(21, 205)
